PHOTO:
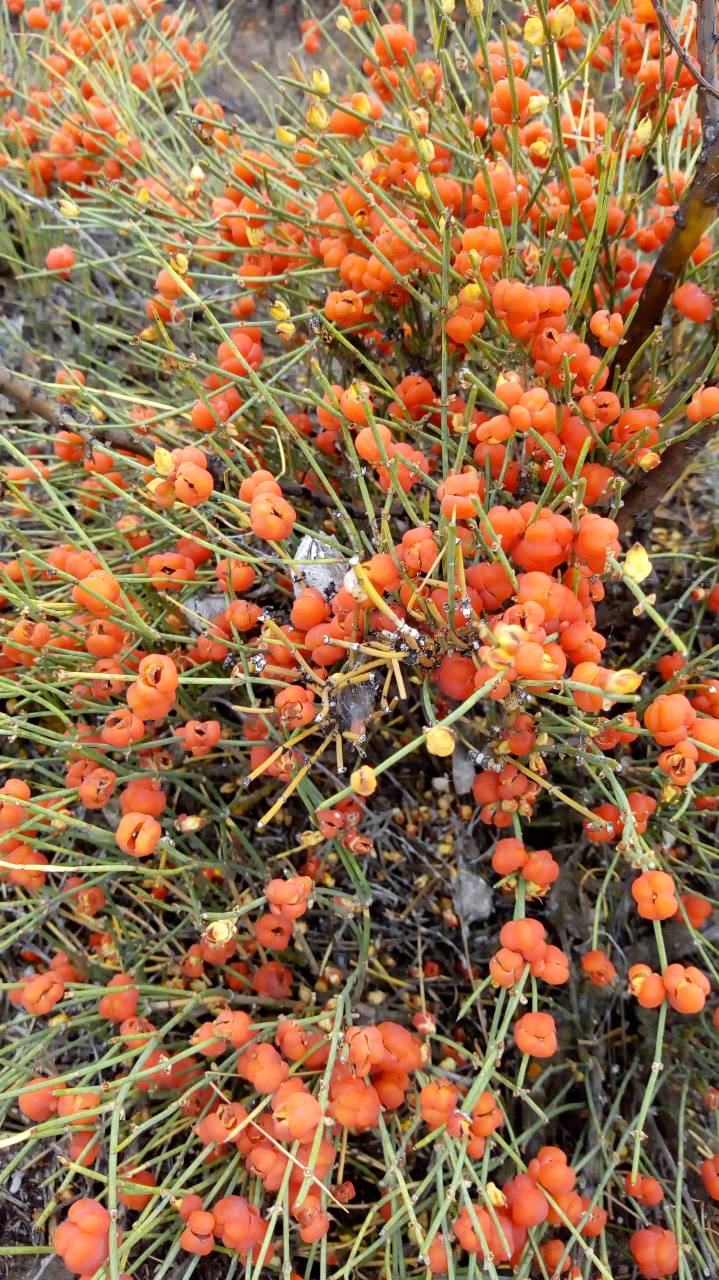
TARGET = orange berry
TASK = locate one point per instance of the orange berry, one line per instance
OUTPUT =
(536, 1034)
(653, 892)
(138, 835)
(60, 259)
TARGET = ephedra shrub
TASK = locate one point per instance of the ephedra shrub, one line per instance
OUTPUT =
(315, 609)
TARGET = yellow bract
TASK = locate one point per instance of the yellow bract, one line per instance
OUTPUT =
(637, 564)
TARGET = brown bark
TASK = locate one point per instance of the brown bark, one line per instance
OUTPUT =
(697, 210)
(646, 493)
(32, 400)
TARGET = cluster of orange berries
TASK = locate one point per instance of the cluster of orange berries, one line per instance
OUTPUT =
(93, 143)
(545, 1193)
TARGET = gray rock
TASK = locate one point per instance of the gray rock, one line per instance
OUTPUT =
(472, 893)
(320, 566)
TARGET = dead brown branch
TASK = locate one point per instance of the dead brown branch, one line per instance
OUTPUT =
(706, 43)
(34, 401)
(698, 208)
(31, 399)
(695, 214)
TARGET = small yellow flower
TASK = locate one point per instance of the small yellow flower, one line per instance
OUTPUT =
(623, 681)
(471, 295)
(422, 187)
(496, 1197)
(644, 130)
(361, 104)
(317, 117)
(363, 781)
(308, 839)
(279, 310)
(180, 263)
(285, 330)
(475, 8)
(534, 32)
(425, 147)
(649, 460)
(637, 564)
(220, 931)
(368, 161)
(163, 461)
(439, 741)
(562, 21)
(188, 823)
(507, 638)
(320, 81)
(286, 135)
(538, 103)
